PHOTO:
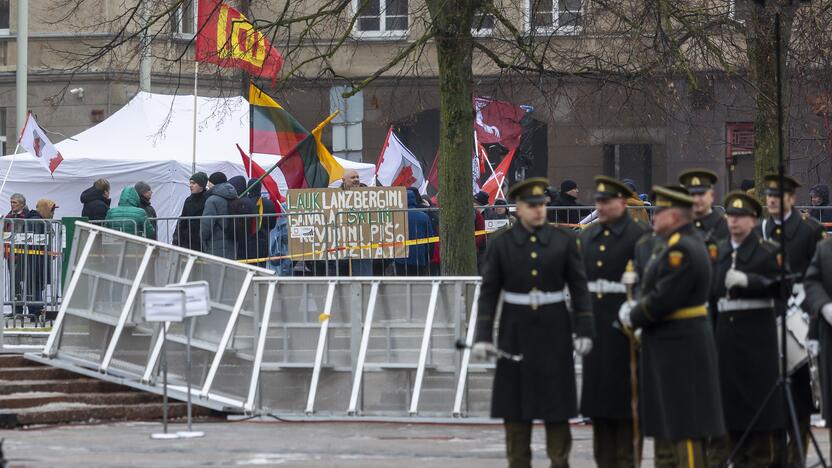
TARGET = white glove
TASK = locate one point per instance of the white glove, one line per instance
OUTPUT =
(624, 313)
(483, 350)
(813, 348)
(736, 279)
(583, 345)
(826, 311)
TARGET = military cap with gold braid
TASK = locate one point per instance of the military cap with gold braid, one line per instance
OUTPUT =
(666, 197)
(607, 187)
(740, 203)
(772, 183)
(530, 190)
(698, 180)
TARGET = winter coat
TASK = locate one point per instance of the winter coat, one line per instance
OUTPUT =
(129, 216)
(216, 233)
(824, 215)
(151, 214)
(565, 214)
(418, 227)
(187, 230)
(96, 205)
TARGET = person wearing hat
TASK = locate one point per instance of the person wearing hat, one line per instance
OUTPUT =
(708, 220)
(800, 234)
(681, 406)
(567, 199)
(527, 267)
(187, 230)
(745, 285)
(607, 247)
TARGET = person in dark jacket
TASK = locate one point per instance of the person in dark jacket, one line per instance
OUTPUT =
(36, 263)
(14, 262)
(264, 221)
(417, 263)
(187, 230)
(144, 191)
(242, 224)
(96, 200)
(567, 199)
(819, 198)
(499, 211)
(216, 233)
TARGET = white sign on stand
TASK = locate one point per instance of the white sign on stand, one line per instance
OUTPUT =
(164, 304)
(197, 298)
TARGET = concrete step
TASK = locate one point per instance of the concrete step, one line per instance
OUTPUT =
(33, 399)
(35, 373)
(59, 413)
(79, 385)
(16, 360)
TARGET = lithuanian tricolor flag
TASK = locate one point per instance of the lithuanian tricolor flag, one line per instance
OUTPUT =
(309, 164)
(273, 129)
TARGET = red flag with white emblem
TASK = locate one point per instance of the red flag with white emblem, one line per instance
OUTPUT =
(34, 140)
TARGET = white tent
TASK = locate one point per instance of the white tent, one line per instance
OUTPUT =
(149, 139)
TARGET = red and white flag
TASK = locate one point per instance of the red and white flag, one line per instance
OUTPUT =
(33, 139)
(397, 166)
(494, 185)
(497, 122)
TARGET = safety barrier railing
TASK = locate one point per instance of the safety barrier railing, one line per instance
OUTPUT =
(318, 345)
(33, 257)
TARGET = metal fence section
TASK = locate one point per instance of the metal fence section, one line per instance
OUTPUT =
(33, 257)
(303, 346)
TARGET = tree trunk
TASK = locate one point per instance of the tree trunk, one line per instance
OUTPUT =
(452, 23)
(762, 57)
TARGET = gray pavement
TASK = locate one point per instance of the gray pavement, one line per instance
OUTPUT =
(284, 444)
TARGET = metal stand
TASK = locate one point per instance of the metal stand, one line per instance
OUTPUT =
(164, 435)
(190, 433)
(784, 382)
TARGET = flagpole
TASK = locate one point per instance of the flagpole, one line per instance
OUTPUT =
(196, 81)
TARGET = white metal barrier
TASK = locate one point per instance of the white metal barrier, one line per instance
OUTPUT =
(329, 346)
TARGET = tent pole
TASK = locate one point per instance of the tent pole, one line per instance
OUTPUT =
(196, 81)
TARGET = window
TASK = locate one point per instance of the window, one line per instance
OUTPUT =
(182, 20)
(739, 140)
(483, 24)
(555, 16)
(381, 18)
(4, 17)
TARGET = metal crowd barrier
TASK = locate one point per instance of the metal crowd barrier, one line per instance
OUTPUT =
(33, 255)
(303, 346)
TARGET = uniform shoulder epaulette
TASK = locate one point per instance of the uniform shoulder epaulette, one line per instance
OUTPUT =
(641, 223)
(502, 230)
(770, 245)
(674, 239)
(646, 237)
(569, 232)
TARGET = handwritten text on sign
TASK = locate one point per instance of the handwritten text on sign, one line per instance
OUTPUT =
(332, 223)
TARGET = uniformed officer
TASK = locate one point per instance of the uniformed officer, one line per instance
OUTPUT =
(679, 387)
(746, 283)
(527, 268)
(818, 284)
(708, 220)
(801, 235)
(607, 246)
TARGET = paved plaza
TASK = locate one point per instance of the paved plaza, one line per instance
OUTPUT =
(284, 444)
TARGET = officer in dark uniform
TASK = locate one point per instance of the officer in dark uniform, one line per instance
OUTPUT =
(818, 284)
(679, 387)
(746, 284)
(801, 235)
(607, 246)
(526, 270)
(708, 220)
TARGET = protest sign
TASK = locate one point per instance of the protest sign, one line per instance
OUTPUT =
(334, 224)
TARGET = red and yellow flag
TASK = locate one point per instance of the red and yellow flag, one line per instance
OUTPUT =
(226, 38)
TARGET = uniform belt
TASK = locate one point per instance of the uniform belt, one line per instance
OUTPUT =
(729, 305)
(534, 298)
(688, 312)
(607, 287)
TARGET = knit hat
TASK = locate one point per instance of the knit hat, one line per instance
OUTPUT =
(500, 201)
(568, 185)
(200, 178)
(142, 187)
(217, 178)
(630, 183)
(481, 198)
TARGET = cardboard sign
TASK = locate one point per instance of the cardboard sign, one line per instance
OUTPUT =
(196, 293)
(335, 224)
(164, 304)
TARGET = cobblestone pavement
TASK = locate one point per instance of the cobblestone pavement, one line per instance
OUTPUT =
(284, 444)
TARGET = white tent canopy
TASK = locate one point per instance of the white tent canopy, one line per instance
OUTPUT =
(149, 139)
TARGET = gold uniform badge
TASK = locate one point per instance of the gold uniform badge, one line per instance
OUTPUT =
(675, 259)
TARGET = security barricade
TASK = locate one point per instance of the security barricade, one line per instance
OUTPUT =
(325, 346)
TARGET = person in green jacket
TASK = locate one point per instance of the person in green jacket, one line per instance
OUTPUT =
(129, 216)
